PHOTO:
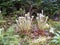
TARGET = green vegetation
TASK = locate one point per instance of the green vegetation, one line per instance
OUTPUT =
(20, 22)
(8, 37)
(9, 6)
(56, 40)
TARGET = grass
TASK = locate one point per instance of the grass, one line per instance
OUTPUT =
(2, 21)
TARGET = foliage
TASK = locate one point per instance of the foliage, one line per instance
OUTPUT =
(20, 12)
(8, 38)
(1, 17)
(56, 39)
(50, 8)
(55, 24)
(9, 6)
